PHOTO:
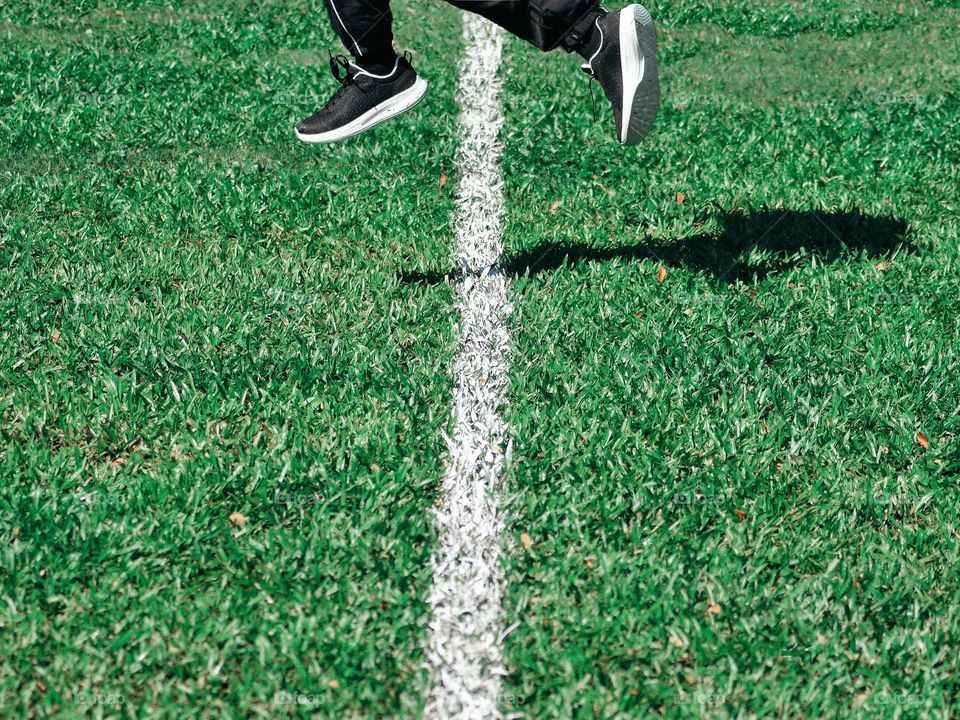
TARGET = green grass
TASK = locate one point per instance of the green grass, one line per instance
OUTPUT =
(202, 317)
(731, 513)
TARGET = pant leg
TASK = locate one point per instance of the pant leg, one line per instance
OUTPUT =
(546, 24)
(365, 27)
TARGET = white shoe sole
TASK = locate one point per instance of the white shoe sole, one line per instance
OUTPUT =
(638, 65)
(399, 103)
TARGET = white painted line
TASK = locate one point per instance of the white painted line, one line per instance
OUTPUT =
(464, 661)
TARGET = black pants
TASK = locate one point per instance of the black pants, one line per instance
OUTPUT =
(366, 26)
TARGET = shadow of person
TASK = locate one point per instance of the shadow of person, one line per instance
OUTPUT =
(746, 247)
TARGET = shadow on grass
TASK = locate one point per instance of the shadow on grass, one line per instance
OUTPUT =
(779, 240)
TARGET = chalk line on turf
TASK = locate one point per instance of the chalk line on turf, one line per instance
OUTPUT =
(464, 661)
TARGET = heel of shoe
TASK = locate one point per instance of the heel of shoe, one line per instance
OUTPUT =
(641, 15)
(641, 112)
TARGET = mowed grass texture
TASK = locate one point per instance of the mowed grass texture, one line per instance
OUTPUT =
(220, 410)
(729, 510)
(729, 341)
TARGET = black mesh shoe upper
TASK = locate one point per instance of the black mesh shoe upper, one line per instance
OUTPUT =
(359, 92)
(604, 64)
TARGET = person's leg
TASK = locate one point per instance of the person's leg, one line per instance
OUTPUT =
(365, 28)
(622, 56)
(376, 86)
(547, 24)
(620, 49)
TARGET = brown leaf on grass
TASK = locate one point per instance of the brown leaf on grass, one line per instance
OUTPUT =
(922, 439)
(554, 205)
(589, 561)
(443, 180)
(713, 609)
(675, 641)
(741, 515)
(334, 685)
(661, 274)
(56, 336)
(238, 519)
(881, 266)
(526, 541)
(679, 198)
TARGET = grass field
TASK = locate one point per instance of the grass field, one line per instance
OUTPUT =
(224, 368)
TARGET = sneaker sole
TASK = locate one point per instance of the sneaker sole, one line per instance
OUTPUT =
(638, 65)
(396, 105)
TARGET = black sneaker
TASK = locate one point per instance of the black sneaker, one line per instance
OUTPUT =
(362, 101)
(625, 65)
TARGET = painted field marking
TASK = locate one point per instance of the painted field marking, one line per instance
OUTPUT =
(464, 660)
